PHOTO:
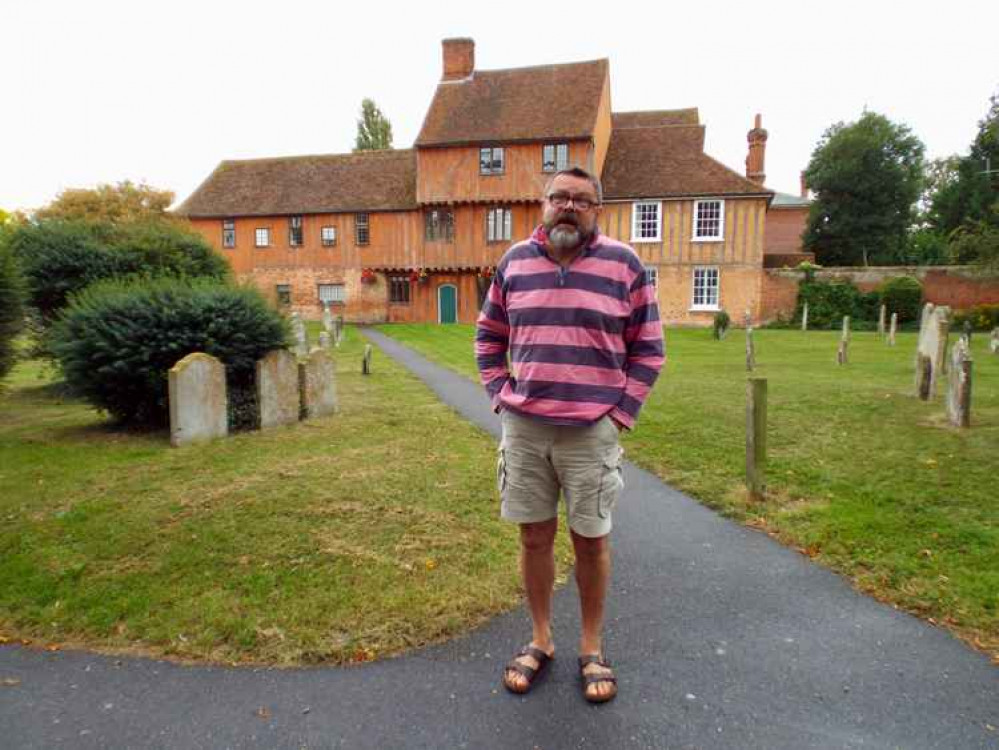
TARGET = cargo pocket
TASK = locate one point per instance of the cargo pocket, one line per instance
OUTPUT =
(612, 481)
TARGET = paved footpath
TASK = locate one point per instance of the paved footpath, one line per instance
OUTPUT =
(722, 639)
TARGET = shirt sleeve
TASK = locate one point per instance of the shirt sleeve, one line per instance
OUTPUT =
(644, 351)
(492, 340)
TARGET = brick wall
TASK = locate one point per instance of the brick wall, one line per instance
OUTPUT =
(365, 303)
(739, 290)
(783, 228)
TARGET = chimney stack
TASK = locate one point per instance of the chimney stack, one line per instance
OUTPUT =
(804, 186)
(757, 138)
(459, 58)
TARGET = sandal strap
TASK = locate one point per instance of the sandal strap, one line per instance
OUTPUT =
(593, 679)
(597, 659)
(522, 669)
(536, 653)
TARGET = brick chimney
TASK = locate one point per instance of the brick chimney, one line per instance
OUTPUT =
(804, 186)
(757, 138)
(459, 58)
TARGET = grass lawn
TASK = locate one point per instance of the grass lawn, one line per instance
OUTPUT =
(336, 540)
(862, 476)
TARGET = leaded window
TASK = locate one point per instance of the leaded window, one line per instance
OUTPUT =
(362, 234)
(295, 231)
(492, 160)
(554, 157)
(228, 233)
(499, 224)
(438, 225)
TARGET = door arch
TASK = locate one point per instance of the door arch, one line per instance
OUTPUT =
(447, 303)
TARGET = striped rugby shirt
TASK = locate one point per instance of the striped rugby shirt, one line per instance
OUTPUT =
(583, 341)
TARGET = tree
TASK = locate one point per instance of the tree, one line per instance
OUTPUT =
(867, 176)
(374, 131)
(11, 307)
(123, 203)
(969, 198)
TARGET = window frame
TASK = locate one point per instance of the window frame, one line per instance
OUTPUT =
(652, 272)
(441, 228)
(256, 236)
(362, 224)
(228, 233)
(705, 306)
(296, 231)
(322, 235)
(492, 169)
(339, 289)
(695, 236)
(397, 283)
(506, 231)
(283, 292)
(557, 164)
(635, 224)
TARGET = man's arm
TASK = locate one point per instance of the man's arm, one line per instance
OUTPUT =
(492, 339)
(643, 339)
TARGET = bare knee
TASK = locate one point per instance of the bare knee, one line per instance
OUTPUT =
(590, 548)
(538, 537)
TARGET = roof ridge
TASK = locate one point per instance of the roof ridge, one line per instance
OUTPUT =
(374, 153)
(539, 67)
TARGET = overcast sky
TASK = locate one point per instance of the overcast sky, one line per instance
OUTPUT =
(101, 91)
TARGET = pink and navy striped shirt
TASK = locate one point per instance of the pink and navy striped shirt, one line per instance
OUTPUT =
(583, 341)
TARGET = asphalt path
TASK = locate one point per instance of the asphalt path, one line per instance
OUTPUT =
(721, 639)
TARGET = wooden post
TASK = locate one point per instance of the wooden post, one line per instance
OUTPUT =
(756, 437)
(750, 350)
(366, 362)
(842, 354)
(881, 321)
(804, 317)
(892, 329)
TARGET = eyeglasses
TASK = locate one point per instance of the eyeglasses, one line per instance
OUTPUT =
(581, 202)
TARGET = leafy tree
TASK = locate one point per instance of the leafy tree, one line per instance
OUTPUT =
(374, 131)
(123, 203)
(11, 307)
(867, 176)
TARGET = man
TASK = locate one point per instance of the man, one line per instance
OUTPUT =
(578, 315)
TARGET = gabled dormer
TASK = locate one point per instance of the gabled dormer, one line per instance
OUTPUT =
(497, 135)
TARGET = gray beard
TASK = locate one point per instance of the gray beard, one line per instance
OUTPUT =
(566, 239)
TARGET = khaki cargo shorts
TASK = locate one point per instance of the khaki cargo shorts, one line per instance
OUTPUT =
(537, 461)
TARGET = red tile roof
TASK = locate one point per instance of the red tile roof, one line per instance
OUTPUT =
(520, 104)
(655, 118)
(666, 161)
(366, 181)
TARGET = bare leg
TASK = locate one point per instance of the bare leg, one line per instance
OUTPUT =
(593, 567)
(537, 561)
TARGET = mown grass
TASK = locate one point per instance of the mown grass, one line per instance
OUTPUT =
(862, 476)
(339, 539)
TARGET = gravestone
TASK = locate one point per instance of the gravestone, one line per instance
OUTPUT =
(324, 340)
(804, 317)
(893, 329)
(881, 320)
(317, 383)
(366, 362)
(844, 342)
(198, 400)
(931, 350)
(277, 389)
(959, 385)
(301, 339)
(994, 341)
(750, 350)
(338, 331)
(327, 318)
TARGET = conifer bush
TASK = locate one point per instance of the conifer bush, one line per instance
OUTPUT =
(117, 340)
(11, 309)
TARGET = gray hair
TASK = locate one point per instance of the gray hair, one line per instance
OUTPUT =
(581, 174)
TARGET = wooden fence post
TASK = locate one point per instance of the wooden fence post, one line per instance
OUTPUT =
(756, 437)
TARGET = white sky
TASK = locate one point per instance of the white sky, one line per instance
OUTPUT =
(102, 91)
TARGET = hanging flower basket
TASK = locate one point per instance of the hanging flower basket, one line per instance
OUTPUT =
(368, 276)
(423, 277)
(414, 276)
(485, 273)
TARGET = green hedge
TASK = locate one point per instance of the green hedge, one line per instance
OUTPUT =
(982, 318)
(117, 340)
(902, 295)
(829, 301)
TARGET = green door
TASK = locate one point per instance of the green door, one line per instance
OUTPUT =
(447, 303)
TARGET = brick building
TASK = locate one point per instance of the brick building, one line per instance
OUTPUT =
(413, 234)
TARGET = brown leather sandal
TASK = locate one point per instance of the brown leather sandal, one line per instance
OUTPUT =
(529, 673)
(593, 679)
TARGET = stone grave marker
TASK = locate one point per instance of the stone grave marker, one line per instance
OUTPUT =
(842, 354)
(301, 339)
(881, 321)
(804, 317)
(366, 362)
(750, 350)
(959, 385)
(994, 341)
(932, 349)
(317, 383)
(277, 389)
(327, 318)
(198, 400)
(324, 340)
(892, 329)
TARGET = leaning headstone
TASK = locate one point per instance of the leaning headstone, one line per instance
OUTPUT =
(198, 400)
(804, 317)
(277, 388)
(968, 328)
(301, 339)
(317, 383)
(932, 349)
(994, 341)
(844, 342)
(750, 350)
(881, 321)
(892, 329)
(327, 318)
(366, 362)
(324, 340)
(959, 385)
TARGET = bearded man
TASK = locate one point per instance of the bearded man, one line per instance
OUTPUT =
(577, 314)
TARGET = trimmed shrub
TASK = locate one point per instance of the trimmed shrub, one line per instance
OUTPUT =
(117, 340)
(166, 248)
(982, 318)
(720, 324)
(828, 302)
(902, 295)
(11, 309)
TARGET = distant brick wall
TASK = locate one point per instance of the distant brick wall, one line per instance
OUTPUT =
(782, 232)
(366, 303)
